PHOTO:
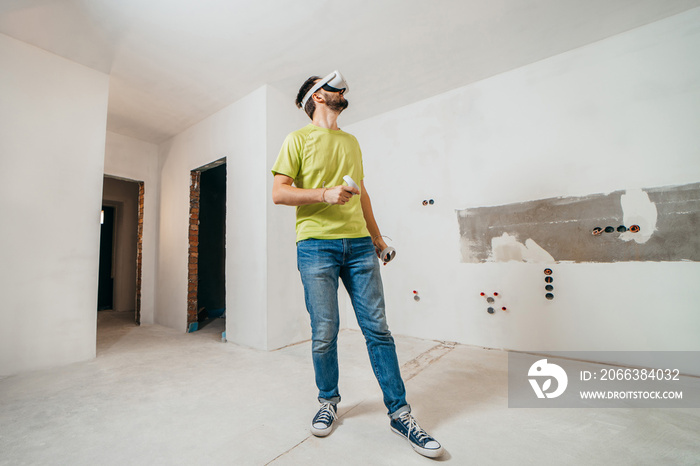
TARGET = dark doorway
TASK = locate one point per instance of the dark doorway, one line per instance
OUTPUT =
(211, 293)
(105, 288)
(207, 301)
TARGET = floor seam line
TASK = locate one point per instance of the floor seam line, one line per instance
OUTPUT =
(284, 453)
(421, 362)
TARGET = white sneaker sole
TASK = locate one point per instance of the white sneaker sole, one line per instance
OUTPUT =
(321, 432)
(430, 453)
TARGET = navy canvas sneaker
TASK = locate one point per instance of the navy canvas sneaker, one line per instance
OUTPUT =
(406, 426)
(323, 421)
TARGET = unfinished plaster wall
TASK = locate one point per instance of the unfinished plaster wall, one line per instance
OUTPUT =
(618, 115)
(652, 224)
(53, 115)
(136, 160)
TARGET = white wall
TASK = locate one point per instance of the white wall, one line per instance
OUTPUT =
(264, 300)
(53, 115)
(288, 321)
(618, 114)
(136, 160)
(238, 133)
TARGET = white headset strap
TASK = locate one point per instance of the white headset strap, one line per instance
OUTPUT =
(316, 87)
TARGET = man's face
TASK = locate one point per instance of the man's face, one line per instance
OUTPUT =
(335, 100)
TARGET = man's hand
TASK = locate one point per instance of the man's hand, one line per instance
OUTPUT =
(379, 245)
(339, 194)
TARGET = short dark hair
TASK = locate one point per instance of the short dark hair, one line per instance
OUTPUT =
(310, 106)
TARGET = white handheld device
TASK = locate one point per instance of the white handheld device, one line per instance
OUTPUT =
(387, 254)
(351, 182)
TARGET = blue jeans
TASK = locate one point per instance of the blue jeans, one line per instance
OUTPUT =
(321, 263)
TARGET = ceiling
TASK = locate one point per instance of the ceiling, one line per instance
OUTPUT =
(174, 62)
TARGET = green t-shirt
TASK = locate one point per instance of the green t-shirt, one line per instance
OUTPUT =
(312, 156)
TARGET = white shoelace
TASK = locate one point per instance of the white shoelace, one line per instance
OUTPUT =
(410, 422)
(325, 414)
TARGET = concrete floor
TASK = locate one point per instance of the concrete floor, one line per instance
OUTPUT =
(156, 396)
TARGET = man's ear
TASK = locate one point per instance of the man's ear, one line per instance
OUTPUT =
(317, 98)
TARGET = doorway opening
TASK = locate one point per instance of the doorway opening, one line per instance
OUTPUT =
(105, 287)
(121, 241)
(206, 293)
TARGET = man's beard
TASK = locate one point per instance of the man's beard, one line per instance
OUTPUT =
(337, 104)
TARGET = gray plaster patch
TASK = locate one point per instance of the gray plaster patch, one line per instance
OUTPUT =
(560, 229)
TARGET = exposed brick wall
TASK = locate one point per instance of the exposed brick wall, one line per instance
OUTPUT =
(192, 264)
(139, 253)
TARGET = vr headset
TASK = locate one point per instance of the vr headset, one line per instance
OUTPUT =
(334, 82)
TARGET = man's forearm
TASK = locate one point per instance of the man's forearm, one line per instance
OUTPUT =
(372, 226)
(291, 195)
(284, 193)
